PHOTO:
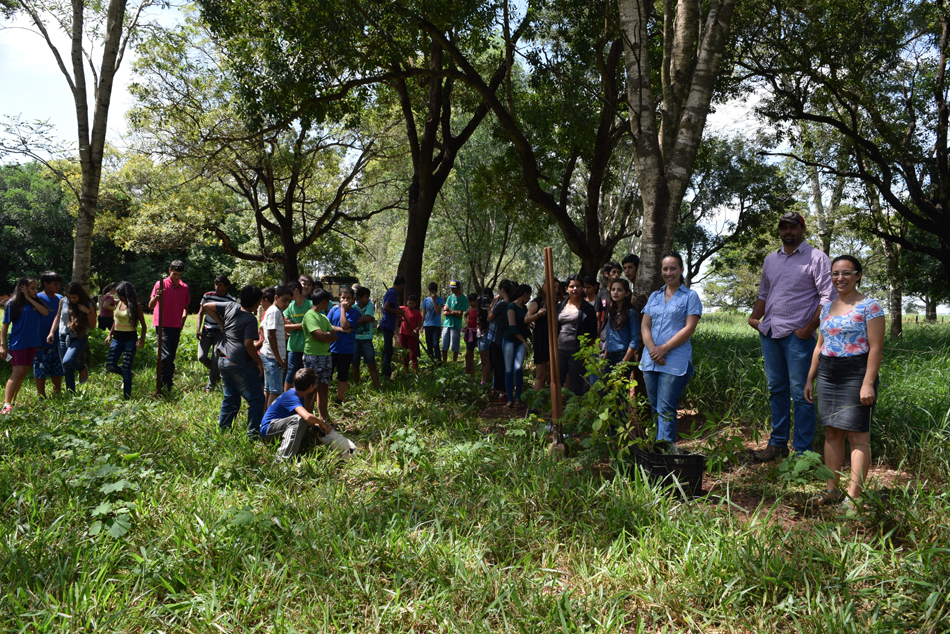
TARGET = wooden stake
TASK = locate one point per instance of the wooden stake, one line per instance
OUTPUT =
(553, 363)
(158, 366)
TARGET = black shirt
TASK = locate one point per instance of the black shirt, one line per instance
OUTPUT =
(238, 326)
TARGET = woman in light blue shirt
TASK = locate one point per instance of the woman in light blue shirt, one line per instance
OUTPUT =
(669, 320)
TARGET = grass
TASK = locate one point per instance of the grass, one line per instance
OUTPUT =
(440, 524)
(911, 424)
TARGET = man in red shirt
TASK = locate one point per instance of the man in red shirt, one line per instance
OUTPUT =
(174, 297)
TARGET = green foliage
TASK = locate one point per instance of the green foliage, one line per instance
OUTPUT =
(36, 229)
(804, 469)
(734, 192)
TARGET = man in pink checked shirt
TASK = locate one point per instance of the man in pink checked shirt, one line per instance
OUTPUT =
(796, 283)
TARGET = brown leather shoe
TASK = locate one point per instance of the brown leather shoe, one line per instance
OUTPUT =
(770, 453)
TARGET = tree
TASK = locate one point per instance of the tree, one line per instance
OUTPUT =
(35, 225)
(361, 56)
(827, 190)
(672, 68)
(297, 180)
(921, 276)
(888, 222)
(883, 89)
(567, 122)
(733, 190)
(486, 214)
(88, 26)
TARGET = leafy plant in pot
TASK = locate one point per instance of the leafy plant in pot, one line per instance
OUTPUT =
(634, 445)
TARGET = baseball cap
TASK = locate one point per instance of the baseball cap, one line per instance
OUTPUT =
(793, 217)
(455, 284)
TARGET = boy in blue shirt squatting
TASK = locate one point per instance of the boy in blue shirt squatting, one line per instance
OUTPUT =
(288, 418)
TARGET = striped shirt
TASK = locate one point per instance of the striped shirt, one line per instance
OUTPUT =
(793, 286)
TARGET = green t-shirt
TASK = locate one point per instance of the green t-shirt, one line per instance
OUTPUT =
(455, 302)
(365, 330)
(316, 321)
(295, 314)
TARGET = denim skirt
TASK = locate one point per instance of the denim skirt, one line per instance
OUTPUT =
(839, 393)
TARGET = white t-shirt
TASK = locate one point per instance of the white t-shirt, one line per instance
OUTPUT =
(274, 320)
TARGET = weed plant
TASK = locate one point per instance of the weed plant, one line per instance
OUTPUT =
(141, 517)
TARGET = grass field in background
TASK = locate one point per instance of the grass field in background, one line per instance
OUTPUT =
(142, 517)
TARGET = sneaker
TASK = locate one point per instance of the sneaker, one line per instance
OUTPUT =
(501, 400)
(770, 453)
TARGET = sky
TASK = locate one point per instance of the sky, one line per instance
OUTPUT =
(36, 89)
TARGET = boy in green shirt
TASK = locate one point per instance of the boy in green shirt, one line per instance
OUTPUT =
(318, 335)
(455, 307)
(293, 317)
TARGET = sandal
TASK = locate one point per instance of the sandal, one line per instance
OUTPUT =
(6, 409)
(827, 498)
(850, 507)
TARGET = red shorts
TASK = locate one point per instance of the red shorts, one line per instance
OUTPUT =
(24, 356)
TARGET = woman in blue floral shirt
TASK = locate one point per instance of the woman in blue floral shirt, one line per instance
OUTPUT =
(846, 363)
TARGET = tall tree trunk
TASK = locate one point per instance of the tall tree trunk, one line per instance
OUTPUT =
(433, 153)
(821, 214)
(290, 265)
(665, 154)
(930, 309)
(892, 255)
(92, 143)
(895, 299)
(410, 264)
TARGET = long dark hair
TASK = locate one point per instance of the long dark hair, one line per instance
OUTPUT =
(76, 319)
(539, 299)
(19, 300)
(618, 315)
(679, 258)
(126, 290)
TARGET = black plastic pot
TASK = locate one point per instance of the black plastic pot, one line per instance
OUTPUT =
(661, 468)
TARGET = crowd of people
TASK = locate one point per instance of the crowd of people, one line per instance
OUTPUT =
(279, 349)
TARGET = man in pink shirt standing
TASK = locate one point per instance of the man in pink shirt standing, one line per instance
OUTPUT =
(175, 298)
(796, 283)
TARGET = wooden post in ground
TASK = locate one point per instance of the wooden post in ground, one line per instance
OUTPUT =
(158, 365)
(556, 449)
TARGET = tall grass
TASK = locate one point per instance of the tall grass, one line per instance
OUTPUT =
(911, 422)
(435, 526)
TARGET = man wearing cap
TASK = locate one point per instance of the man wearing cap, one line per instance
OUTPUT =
(796, 283)
(455, 307)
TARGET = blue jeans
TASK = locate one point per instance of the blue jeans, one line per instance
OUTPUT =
(433, 335)
(387, 351)
(664, 392)
(120, 360)
(294, 363)
(514, 352)
(787, 362)
(70, 352)
(241, 382)
(210, 338)
(273, 376)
